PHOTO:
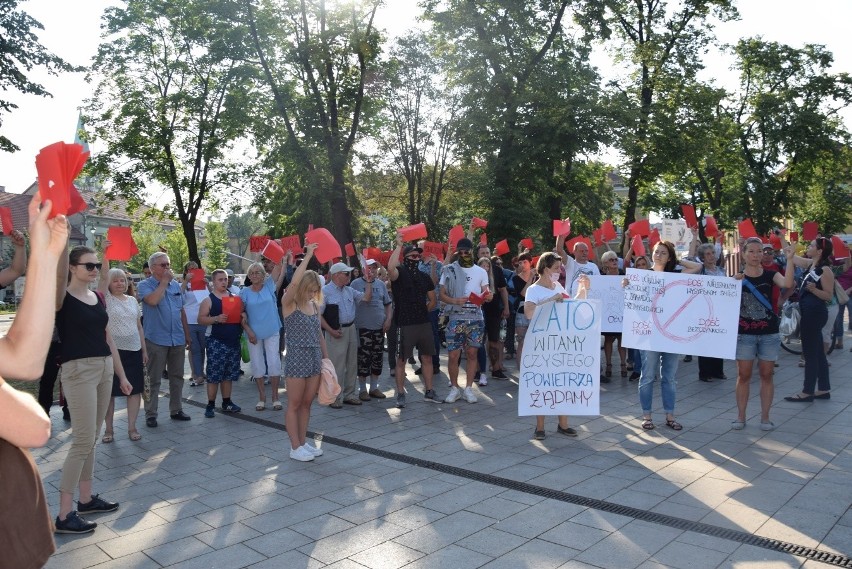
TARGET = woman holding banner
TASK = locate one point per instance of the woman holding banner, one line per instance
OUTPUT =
(547, 289)
(663, 364)
(758, 329)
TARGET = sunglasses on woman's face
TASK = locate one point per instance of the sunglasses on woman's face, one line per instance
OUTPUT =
(89, 266)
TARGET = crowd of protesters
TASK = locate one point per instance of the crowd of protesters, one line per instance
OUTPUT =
(109, 342)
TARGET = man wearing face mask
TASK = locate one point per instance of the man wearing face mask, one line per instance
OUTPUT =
(466, 325)
(414, 297)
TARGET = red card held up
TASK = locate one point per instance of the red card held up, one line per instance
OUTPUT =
(637, 246)
(232, 307)
(653, 238)
(689, 215)
(197, 280)
(794, 237)
(746, 229)
(479, 223)
(841, 251)
(456, 233)
(527, 242)
(810, 229)
(57, 166)
(641, 228)
(291, 243)
(257, 243)
(483, 239)
(561, 227)
(608, 230)
(413, 232)
(122, 247)
(501, 248)
(476, 299)
(273, 251)
(6, 220)
(432, 248)
(597, 235)
(373, 253)
(710, 227)
(327, 246)
(349, 248)
(775, 241)
(78, 204)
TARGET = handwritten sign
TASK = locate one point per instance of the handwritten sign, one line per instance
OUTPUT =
(681, 314)
(675, 230)
(607, 290)
(560, 368)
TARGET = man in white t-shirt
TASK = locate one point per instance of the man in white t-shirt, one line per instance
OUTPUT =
(579, 265)
(466, 325)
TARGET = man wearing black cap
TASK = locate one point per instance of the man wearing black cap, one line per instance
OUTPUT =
(461, 282)
(414, 297)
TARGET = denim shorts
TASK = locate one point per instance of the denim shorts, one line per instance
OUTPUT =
(761, 346)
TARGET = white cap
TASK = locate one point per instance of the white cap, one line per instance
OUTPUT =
(339, 268)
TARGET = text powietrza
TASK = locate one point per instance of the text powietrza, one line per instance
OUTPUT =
(560, 366)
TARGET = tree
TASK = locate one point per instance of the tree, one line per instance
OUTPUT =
(170, 103)
(420, 120)
(148, 236)
(216, 245)
(20, 52)
(786, 113)
(824, 191)
(174, 243)
(521, 77)
(662, 42)
(315, 62)
(242, 225)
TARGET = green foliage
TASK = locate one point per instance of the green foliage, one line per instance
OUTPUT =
(174, 243)
(786, 114)
(216, 245)
(148, 237)
(314, 61)
(824, 192)
(170, 103)
(242, 225)
(20, 52)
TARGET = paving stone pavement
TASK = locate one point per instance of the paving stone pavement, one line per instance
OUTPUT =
(461, 485)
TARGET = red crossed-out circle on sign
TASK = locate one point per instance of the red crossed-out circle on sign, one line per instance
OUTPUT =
(664, 327)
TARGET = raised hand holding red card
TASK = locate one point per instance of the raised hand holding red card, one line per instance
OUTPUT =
(58, 165)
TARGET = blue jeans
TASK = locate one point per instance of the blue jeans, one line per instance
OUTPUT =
(665, 365)
(838, 323)
(197, 347)
(636, 358)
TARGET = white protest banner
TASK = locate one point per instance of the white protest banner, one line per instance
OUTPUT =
(560, 367)
(608, 291)
(681, 314)
(675, 230)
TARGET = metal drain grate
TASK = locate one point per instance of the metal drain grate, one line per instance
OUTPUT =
(602, 505)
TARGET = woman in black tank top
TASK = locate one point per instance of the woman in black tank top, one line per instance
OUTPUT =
(88, 360)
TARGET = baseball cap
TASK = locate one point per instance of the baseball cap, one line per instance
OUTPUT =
(371, 262)
(410, 249)
(339, 268)
(464, 243)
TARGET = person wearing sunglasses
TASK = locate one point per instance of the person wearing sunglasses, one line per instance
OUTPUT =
(165, 337)
(89, 359)
(459, 281)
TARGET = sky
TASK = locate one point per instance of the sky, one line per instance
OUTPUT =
(72, 30)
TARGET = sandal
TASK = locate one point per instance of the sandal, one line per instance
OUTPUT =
(738, 425)
(608, 371)
(194, 383)
(623, 370)
(799, 398)
(108, 437)
(276, 405)
(261, 405)
(673, 425)
(648, 424)
(134, 435)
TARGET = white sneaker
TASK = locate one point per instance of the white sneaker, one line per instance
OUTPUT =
(453, 395)
(301, 454)
(483, 379)
(312, 449)
(469, 395)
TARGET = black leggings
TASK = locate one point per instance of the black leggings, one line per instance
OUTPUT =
(814, 317)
